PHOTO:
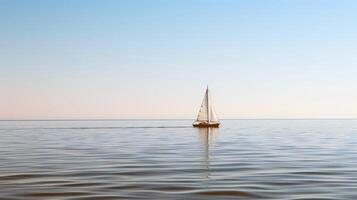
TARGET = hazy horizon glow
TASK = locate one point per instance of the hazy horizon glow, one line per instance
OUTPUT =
(153, 59)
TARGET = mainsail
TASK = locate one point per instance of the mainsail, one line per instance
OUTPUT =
(207, 112)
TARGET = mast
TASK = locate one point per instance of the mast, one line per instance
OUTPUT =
(208, 106)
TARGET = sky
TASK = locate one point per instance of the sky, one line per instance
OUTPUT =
(88, 59)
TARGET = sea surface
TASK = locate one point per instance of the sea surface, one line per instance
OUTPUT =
(169, 159)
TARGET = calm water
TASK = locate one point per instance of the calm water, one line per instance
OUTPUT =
(244, 159)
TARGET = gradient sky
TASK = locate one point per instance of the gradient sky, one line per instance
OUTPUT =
(153, 59)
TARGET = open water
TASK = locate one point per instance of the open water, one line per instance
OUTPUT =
(169, 159)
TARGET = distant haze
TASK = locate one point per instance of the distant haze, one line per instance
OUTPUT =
(153, 59)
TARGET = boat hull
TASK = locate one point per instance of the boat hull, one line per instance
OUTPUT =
(206, 125)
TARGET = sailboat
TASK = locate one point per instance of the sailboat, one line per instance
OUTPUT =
(206, 116)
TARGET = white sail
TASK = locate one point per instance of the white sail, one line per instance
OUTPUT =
(207, 112)
(213, 115)
(203, 113)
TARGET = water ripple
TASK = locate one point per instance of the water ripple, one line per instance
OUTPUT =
(245, 159)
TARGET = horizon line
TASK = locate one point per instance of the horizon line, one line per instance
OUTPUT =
(161, 119)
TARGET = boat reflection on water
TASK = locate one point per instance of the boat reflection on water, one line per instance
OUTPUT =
(207, 136)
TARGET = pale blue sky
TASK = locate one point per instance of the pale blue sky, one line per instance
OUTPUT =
(153, 59)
